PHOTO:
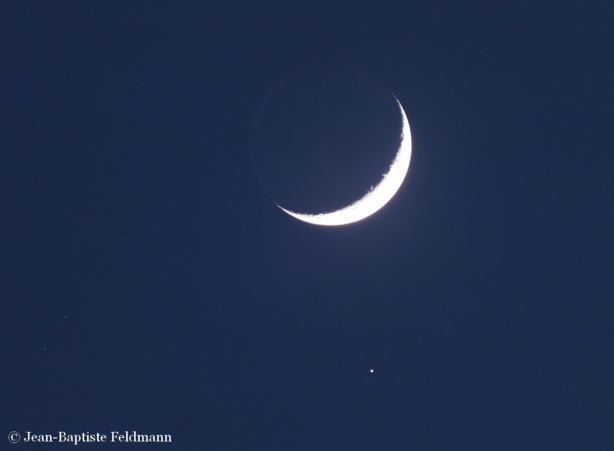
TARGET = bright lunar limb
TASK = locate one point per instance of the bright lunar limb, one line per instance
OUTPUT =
(377, 197)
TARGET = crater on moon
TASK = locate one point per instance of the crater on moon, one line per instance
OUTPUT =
(322, 137)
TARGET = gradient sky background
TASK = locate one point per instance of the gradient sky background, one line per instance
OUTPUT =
(148, 284)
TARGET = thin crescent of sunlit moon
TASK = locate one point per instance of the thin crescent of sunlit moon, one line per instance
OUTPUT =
(377, 197)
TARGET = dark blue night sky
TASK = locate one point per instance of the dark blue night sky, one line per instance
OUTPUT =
(148, 284)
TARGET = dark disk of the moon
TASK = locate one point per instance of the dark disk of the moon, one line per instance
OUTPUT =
(322, 137)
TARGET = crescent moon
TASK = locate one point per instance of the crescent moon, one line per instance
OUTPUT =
(377, 197)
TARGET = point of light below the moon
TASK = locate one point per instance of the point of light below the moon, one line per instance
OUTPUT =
(377, 197)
